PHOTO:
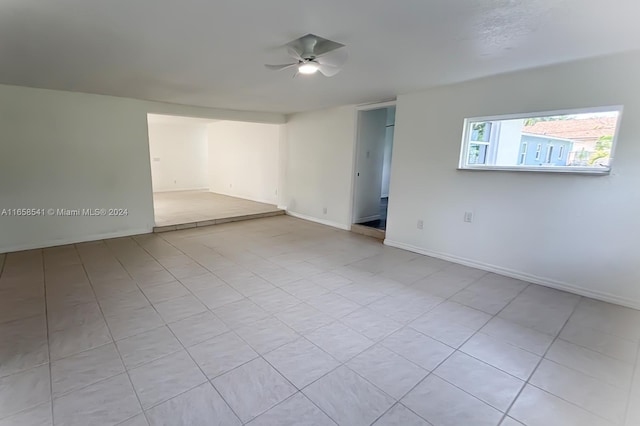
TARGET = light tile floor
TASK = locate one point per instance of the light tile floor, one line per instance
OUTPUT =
(181, 207)
(279, 321)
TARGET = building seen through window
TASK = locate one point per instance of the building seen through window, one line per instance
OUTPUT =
(580, 140)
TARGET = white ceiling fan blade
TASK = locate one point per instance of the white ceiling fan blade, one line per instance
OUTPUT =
(317, 45)
(280, 67)
(328, 70)
(335, 58)
(314, 53)
(294, 53)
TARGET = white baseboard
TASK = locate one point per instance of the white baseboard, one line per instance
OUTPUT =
(321, 221)
(547, 282)
(65, 241)
(367, 219)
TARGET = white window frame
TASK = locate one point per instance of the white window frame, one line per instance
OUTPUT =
(538, 151)
(561, 151)
(486, 153)
(489, 145)
(462, 164)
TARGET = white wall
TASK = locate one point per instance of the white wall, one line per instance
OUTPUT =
(244, 160)
(73, 150)
(179, 155)
(319, 165)
(525, 223)
(388, 151)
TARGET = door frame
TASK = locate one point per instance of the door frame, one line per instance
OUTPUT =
(356, 146)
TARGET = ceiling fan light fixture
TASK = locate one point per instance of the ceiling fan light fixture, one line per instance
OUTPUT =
(308, 68)
(313, 54)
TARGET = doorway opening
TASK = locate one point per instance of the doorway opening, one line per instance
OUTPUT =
(374, 147)
(206, 171)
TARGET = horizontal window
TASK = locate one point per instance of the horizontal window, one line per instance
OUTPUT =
(580, 141)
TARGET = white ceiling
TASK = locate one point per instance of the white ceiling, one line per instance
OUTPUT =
(211, 52)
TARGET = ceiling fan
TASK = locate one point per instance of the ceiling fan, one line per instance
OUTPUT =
(313, 54)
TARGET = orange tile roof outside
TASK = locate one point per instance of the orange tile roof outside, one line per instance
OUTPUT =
(576, 129)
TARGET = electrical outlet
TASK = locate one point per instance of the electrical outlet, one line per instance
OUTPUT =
(420, 224)
(324, 210)
(468, 217)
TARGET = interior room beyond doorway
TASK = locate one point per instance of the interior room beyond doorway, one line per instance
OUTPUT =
(373, 167)
(212, 171)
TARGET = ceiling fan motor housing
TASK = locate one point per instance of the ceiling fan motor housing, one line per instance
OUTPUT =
(309, 43)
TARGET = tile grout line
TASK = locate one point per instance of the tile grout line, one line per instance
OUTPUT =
(46, 320)
(569, 367)
(344, 364)
(259, 356)
(431, 372)
(496, 315)
(298, 390)
(338, 319)
(634, 383)
(164, 356)
(600, 352)
(628, 392)
(542, 358)
(555, 337)
(144, 411)
(458, 350)
(375, 342)
(270, 315)
(207, 380)
(455, 350)
(207, 269)
(464, 353)
(92, 383)
(113, 340)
